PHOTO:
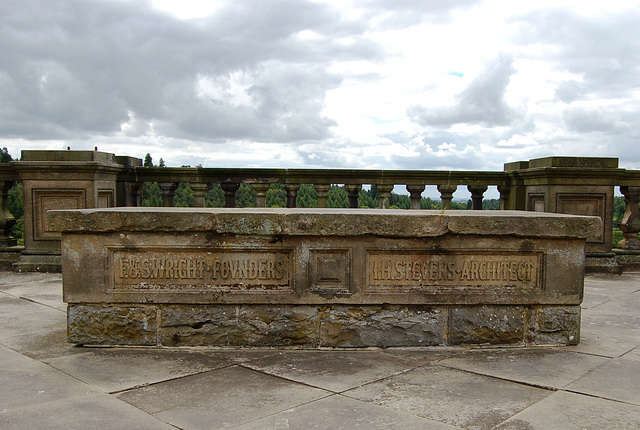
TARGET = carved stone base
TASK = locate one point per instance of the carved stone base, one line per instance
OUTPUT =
(313, 326)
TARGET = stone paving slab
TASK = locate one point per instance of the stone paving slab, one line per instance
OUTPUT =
(343, 413)
(336, 371)
(616, 379)
(35, 329)
(220, 398)
(451, 396)
(43, 379)
(570, 411)
(103, 367)
(34, 395)
(545, 367)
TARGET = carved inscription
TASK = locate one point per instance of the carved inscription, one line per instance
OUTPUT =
(453, 270)
(199, 270)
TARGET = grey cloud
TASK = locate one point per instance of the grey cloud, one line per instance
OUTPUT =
(404, 13)
(569, 91)
(74, 68)
(604, 50)
(587, 120)
(482, 102)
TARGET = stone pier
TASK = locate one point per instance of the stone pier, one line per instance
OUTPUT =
(321, 277)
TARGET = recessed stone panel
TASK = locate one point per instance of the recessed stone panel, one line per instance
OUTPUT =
(330, 271)
(453, 270)
(197, 270)
(583, 204)
(45, 200)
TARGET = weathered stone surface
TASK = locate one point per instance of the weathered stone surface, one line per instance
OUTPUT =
(324, 222)
(315, 278)
(228, 325)
(554, 325)
(111, 325)
(486, 324)
(384, 326)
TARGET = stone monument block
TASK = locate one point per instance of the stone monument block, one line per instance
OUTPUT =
(321, 277)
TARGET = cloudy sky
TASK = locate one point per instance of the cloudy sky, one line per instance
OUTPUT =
(400, 84)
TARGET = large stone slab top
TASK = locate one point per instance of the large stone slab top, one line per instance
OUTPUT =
(324, 222)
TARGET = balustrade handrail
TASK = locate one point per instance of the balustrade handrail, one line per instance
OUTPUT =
(513, 184)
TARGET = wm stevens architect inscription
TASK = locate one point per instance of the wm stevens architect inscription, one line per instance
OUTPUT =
(201, 270)
(464, 269)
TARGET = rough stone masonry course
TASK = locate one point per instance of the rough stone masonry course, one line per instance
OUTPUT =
(321, 277)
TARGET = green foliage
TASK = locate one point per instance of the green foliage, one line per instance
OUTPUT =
(151, 195)
(214, 197)
(148, 161)
(427, 203)
(491, 204)
(461, 205)
(245, 197)
(337, 197)
(307, 197)
(184, 196)
(276, 196)
(15, 204)
(15, 201)
(617, 237)
(4, 156)
(399, 201)
(619, 206)
(161, 163)
(369, 198)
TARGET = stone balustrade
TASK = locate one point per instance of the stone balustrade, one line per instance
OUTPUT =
(92, 179)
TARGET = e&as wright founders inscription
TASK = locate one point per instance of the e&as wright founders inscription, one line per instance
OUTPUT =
(463, 269)
(200, 270)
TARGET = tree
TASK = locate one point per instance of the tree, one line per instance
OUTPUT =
(15, 204)
(184, 196)
(245, 197)
(161, 163)
(491, 204)
(276, 196)
(337, 197)
(215, 197)
(152, 195)
(307, 197)
(427, 203)
(397, 201)
(4, 156)
(368, 198)
(148, 161)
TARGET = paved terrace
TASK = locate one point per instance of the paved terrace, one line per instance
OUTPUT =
(47, 383)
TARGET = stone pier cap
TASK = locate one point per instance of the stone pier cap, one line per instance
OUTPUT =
(324, 222)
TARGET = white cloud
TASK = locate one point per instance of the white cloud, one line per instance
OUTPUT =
(292, 83)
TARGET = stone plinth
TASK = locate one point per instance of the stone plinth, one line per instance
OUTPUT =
(321, 277)
(60, 180)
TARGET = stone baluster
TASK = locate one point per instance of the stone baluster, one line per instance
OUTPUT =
(446, 194)
(477, 193)
(505, 194)
(415, 192)
(261, 193)
(630, 223)
(292, 194)
(199, 193)
(353, 191)
(229, 189)
(7, 220)
(383, 192)
(168, 192)
(322, 190)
